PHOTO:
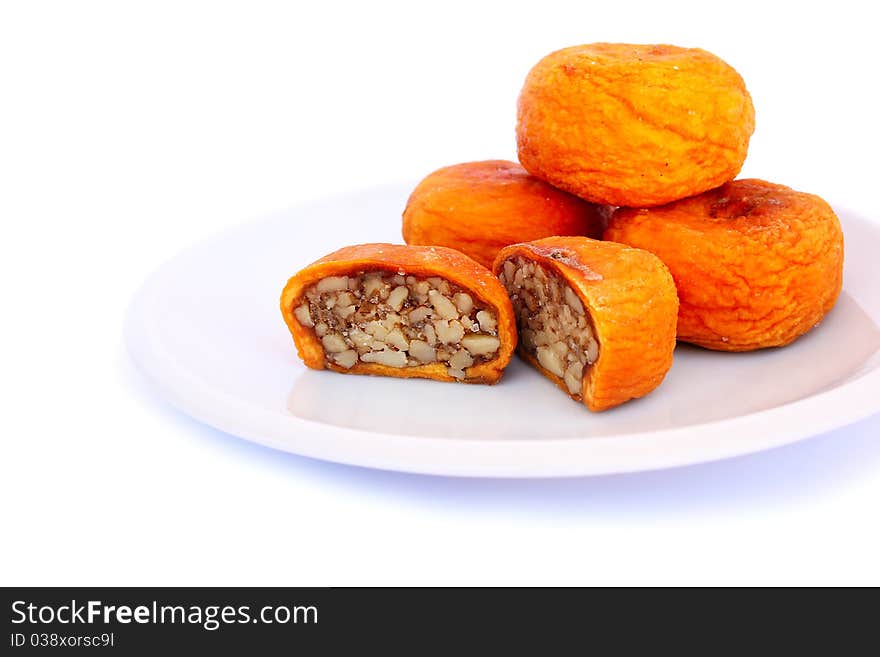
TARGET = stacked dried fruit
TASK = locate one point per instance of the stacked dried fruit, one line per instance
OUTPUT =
(642, 142)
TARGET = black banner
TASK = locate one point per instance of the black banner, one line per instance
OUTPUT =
(316, 621)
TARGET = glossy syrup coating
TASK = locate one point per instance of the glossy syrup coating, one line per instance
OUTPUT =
(631, 301)
(756, 264)
(633, 125)
(480, 207)
(423, 262)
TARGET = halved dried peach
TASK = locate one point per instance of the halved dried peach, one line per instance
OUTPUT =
(403, 311)
(596, 318)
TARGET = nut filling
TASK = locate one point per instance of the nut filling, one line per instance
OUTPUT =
(552, 322)
(400, 321)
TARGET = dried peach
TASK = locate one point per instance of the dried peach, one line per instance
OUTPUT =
(480, 207)
(633, 125)
(756, 264)
(596, 318)
(403, 311)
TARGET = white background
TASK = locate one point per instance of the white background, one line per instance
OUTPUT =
(131, 130)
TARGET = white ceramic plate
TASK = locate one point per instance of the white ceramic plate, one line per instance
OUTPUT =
(207, 330)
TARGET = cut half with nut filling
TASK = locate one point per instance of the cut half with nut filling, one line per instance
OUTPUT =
(596, 318)
(404, 311)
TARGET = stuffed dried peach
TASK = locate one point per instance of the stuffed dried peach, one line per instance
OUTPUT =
(404, 311)
(596, 318)
(633, 125)
(480, 207)
(756, 264)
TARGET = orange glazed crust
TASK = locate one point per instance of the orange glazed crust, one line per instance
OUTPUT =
(631, 299)
(417, 261)
(480, 207)
(633, 125)
(756, 264)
